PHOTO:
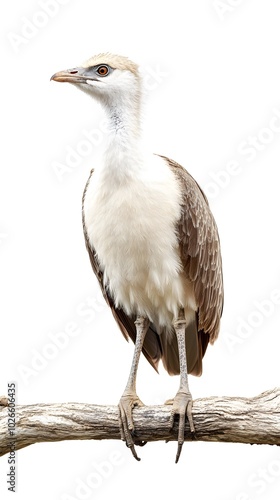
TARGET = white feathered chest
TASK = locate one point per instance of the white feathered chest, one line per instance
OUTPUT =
(131, 223)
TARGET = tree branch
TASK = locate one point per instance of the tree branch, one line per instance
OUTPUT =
(228, 419)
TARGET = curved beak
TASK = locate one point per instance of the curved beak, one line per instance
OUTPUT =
(75, 75)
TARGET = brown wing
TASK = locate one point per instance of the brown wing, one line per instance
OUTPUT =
(152, 346)
(200, 254)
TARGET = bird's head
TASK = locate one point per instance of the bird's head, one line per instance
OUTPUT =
(107, 77)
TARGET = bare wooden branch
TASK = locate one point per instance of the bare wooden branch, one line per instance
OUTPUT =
(228, 419)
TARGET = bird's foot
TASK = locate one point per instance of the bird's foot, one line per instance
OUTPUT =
(126, 404)
(182, 406)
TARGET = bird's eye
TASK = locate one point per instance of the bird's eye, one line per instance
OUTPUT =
(102, 70)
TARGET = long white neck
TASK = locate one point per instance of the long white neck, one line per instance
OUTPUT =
(122, 156)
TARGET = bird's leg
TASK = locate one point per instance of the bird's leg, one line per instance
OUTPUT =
(129, 398)
(182, 403)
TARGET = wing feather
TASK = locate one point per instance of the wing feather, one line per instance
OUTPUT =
(200, 251)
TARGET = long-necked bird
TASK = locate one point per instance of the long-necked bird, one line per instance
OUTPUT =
(152, 241)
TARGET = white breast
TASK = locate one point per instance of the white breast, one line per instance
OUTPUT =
(131, 223)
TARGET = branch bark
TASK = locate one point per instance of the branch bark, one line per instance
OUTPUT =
(226, 419)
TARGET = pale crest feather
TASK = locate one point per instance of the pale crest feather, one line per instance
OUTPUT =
(113, 60)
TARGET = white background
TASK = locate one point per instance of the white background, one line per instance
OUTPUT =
(212, 81)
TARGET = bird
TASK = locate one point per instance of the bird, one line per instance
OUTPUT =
(152, 241)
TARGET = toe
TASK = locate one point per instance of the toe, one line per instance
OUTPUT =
(171, 420)
(190, 417)
(182, 406)
(126, 405)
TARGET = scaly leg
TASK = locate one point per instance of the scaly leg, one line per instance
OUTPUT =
(182, 403)
(129, 398)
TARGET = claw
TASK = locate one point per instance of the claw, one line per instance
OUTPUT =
(133, 451)
(126, 405)
(179, 449)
